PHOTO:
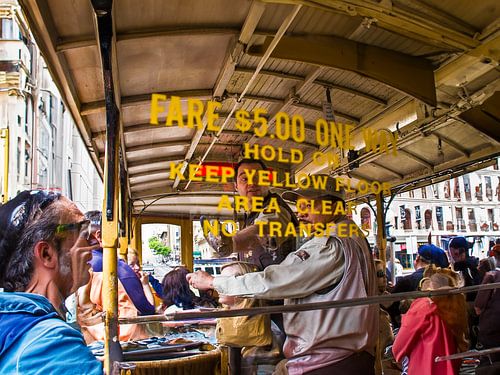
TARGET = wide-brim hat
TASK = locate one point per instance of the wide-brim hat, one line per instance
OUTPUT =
(332, 188)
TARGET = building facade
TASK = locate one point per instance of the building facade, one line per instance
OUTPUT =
(468, 206)
(41, 147)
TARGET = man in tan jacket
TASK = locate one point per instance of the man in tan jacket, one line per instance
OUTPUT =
(335, 264)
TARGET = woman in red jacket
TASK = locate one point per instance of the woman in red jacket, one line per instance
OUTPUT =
(433, 327)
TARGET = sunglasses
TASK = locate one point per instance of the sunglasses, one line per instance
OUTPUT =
(381, 274)
(83, 227)
(33, 203)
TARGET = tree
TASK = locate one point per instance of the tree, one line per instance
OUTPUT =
(158, 247)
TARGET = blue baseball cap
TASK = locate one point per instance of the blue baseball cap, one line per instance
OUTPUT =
(459, 243)
(433, 255)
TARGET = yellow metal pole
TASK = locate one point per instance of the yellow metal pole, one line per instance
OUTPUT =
(187, 243)
(110, 277)
(136, 237)
(381, 237)
(5, 187)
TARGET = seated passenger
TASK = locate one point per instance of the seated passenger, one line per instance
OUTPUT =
(134, 295)
(252, 333)
(133, 262)
(432, 327)
(43, 259)
(177, 295)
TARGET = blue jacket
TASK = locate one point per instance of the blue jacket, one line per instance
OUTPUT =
(34, 339)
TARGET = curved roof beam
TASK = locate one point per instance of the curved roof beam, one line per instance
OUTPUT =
(412, 75)
(319, 82)
(89, 41)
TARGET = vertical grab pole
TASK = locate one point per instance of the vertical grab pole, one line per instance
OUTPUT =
(5, 188)
(112, 349)
(381, 236)
(123, 222)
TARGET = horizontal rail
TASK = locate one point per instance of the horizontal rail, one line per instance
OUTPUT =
(470, 353)
(218, 313)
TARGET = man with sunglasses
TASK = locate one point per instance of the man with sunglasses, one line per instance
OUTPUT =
(44, 257)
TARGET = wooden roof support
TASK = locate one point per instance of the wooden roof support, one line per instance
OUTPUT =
(486, 117)
(319, 82)
(89, 41)
(407, 22)
(412, 75)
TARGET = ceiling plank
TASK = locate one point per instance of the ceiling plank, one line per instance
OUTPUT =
(165, 159)
(391, 171)
(149, 173)
(154, 146)
(416, 158)
(453, 144)
(134, 100)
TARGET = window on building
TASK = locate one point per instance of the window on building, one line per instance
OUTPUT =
(44, 141)
(366, 218)
(411, 194)
(19, 155)
(488, 188)
(435, 190)
(418, 217)
(498, 189)
(472, 220)
(428, 219)
(439, 218)
(491, 218)
(450, 226)
(407, 221)
(42, 176)
(52, 112)
(28, 115)
(27, 159)
(467, 190)
(479, 192)
(7, 28)
(456, 190)
(424, 193)
(447, 189)
(460, 219)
